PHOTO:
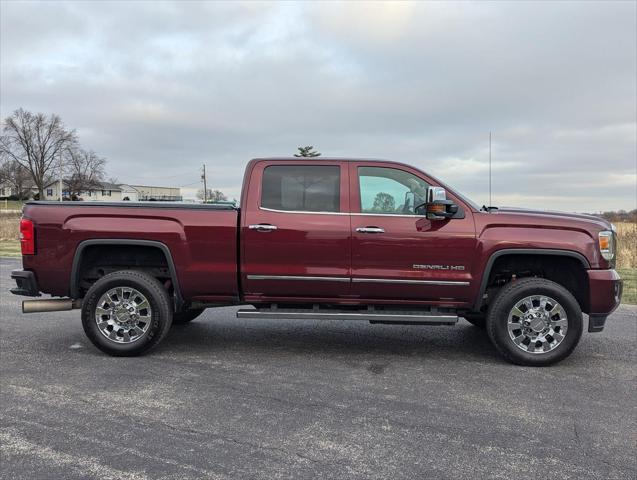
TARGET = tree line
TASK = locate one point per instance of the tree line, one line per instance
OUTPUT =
(619, 216)
(36, 148)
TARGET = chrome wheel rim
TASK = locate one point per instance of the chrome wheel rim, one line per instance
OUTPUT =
(537, 324)
(123, 315)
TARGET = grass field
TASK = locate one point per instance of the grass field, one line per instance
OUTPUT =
(629, 276)
(9, 248)
(626, 252)
(9, 231)
(627, 260)
(11, 204)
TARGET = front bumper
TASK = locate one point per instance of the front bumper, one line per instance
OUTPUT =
(26, 282)
(605, 287)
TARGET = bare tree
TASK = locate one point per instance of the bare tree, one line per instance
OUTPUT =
(307, 151)
(36, 142)
(16, 176)
(213, 195)
(84, 171)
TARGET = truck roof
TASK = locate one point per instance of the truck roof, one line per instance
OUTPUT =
(335, 159)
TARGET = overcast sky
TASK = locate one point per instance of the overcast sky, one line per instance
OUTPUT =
(159, 88)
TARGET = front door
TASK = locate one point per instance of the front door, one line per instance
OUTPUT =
(399, 255)
(296, 231)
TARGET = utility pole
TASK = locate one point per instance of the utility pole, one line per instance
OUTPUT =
(205, 187)
(60, 175)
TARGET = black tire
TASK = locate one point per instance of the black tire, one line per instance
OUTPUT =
(185, 316)
(477, 319)
(506, 299)
(161, 314)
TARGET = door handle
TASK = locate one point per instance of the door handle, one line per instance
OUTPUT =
(263, 227)
(370, 230)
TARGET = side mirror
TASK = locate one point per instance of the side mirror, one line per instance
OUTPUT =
(437, 206)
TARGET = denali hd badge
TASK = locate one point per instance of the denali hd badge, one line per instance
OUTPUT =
(437, 267)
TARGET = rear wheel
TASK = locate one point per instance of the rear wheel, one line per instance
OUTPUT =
(534, 322)
(126, 313)
(186, 316)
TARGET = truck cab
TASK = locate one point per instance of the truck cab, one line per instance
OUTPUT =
(351, 232)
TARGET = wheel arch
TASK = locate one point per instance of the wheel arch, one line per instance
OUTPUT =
(537, 252)
(74, 289)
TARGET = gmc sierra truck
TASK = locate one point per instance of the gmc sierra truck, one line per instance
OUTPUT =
(324, 239)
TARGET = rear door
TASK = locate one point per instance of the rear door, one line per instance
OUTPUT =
(295, 231)
(397, 254)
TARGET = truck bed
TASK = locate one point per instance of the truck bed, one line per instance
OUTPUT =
(200, 239)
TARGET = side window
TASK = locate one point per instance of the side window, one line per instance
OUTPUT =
(390, 191)
(308, 188)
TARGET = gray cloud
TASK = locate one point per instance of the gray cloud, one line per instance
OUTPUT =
(159, 88)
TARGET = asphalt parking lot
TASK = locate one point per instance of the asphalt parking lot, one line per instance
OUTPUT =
(229, 398)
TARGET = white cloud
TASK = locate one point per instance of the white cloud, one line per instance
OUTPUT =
(160, 88)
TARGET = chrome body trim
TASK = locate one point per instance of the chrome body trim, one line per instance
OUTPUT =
(298, 277)
(342, 213)
(386, 215)
(356, 280)
(413, 282)
(302, 211)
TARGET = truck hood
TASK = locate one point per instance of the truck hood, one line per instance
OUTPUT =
(548, 217)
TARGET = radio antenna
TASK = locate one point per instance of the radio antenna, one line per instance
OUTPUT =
(490, 200)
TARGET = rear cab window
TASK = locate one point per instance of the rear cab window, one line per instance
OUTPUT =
(301, 188)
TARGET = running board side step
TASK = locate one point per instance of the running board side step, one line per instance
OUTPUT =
(432, 317)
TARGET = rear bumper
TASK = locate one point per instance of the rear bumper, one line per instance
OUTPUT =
(605, 287)
(26, 284)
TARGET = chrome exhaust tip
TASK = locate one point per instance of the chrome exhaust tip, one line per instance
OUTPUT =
(50, 305)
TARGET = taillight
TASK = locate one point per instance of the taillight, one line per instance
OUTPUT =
(27, 237)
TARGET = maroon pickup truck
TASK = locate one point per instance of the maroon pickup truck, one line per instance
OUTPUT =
(328, 239)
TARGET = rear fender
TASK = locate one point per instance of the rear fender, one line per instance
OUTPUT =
(77, 262)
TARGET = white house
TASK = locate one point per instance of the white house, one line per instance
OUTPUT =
(105, 192)
(111, 192)
(8, 190)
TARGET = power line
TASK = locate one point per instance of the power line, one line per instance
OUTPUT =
(183, 174)
(152, 180)
(190, 184)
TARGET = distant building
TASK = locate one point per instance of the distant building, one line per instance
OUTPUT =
(111, 192)
(7, 190)
(129, 193)
(160, 194)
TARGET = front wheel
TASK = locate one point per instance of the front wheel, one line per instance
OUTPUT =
(126, 313)
(534, 322)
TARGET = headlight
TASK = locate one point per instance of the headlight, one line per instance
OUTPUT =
(607, 244)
